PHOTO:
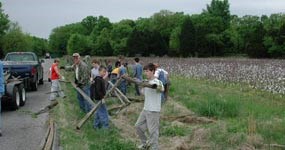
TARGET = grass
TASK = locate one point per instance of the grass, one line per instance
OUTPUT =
(243, 110)
(169, 130)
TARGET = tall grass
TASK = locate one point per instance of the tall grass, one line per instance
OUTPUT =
(243, 110)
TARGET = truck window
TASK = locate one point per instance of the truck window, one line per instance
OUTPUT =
(20, 57)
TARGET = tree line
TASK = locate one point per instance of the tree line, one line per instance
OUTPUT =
(212, 33)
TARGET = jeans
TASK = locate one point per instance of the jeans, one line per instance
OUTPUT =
(123, 87)
(101, 118)
(84, 104)
(137, 87)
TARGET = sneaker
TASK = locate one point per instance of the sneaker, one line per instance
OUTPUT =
(145, 146)
(142, 146)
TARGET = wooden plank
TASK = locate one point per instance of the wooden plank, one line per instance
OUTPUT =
(119, 91)
(49, 142)
(139, 83)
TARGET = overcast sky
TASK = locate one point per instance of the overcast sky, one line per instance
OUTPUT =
(39, 17)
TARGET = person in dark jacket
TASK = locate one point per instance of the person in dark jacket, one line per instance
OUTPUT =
(101, 117)
(2, 90)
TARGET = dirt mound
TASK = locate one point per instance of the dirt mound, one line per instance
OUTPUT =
(189, 119)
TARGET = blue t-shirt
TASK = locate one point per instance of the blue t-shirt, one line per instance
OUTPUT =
(122, 71)
(138, 70)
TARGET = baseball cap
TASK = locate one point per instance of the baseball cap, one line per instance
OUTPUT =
(75, 55)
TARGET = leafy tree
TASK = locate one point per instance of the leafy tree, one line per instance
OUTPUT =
(156, 43)
(4, 25)
(39, 45)
(220, 8)
(275, 33)
(136, 43)
(16, 40)
(4, 21)
(119, 35)
(78, 43)
(253, 33)
(233, 41)
(102, 23)
(59, 37)
(187, 38)
(102, 44)
(89, 23)
(174, 42)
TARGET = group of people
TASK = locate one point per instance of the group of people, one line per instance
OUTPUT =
(93, 83)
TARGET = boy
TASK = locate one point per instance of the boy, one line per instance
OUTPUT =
(123, 84)
(149, 117)
(138, 70)
(55, 85)
(101, 116)
(162, 75)
(94, 74)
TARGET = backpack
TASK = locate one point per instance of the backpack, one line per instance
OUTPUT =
(161, 77)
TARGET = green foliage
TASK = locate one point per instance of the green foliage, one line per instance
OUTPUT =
(212, 33)
(39, 46)
(4, 26)
(187, 38)
(16, 40)
(59, 37)
(78, 43)
(174, 42)
(220, 8)
(108, 140)
(119, 36)
(89, 23)
(215, 107)
(4, 21)
(252, 32)
(173, 131)
(145, 43)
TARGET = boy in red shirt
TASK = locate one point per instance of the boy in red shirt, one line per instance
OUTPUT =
(55, 85)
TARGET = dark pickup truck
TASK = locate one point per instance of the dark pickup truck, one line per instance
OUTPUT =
(24, 66)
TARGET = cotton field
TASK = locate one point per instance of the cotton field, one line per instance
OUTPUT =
(265, 74)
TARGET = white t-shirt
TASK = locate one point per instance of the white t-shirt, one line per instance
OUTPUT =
(76, 71)
(152, 97)
(157, 71)
(95, 72)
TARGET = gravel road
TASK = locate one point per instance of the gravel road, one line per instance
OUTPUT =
(20, 130)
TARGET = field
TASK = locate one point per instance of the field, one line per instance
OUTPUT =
(214, 104)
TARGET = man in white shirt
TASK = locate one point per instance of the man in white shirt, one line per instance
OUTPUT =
(149, 117)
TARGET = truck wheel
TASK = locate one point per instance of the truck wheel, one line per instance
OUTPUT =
(15, 98)
(41, 81)
(22, 92)
(35, 86)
